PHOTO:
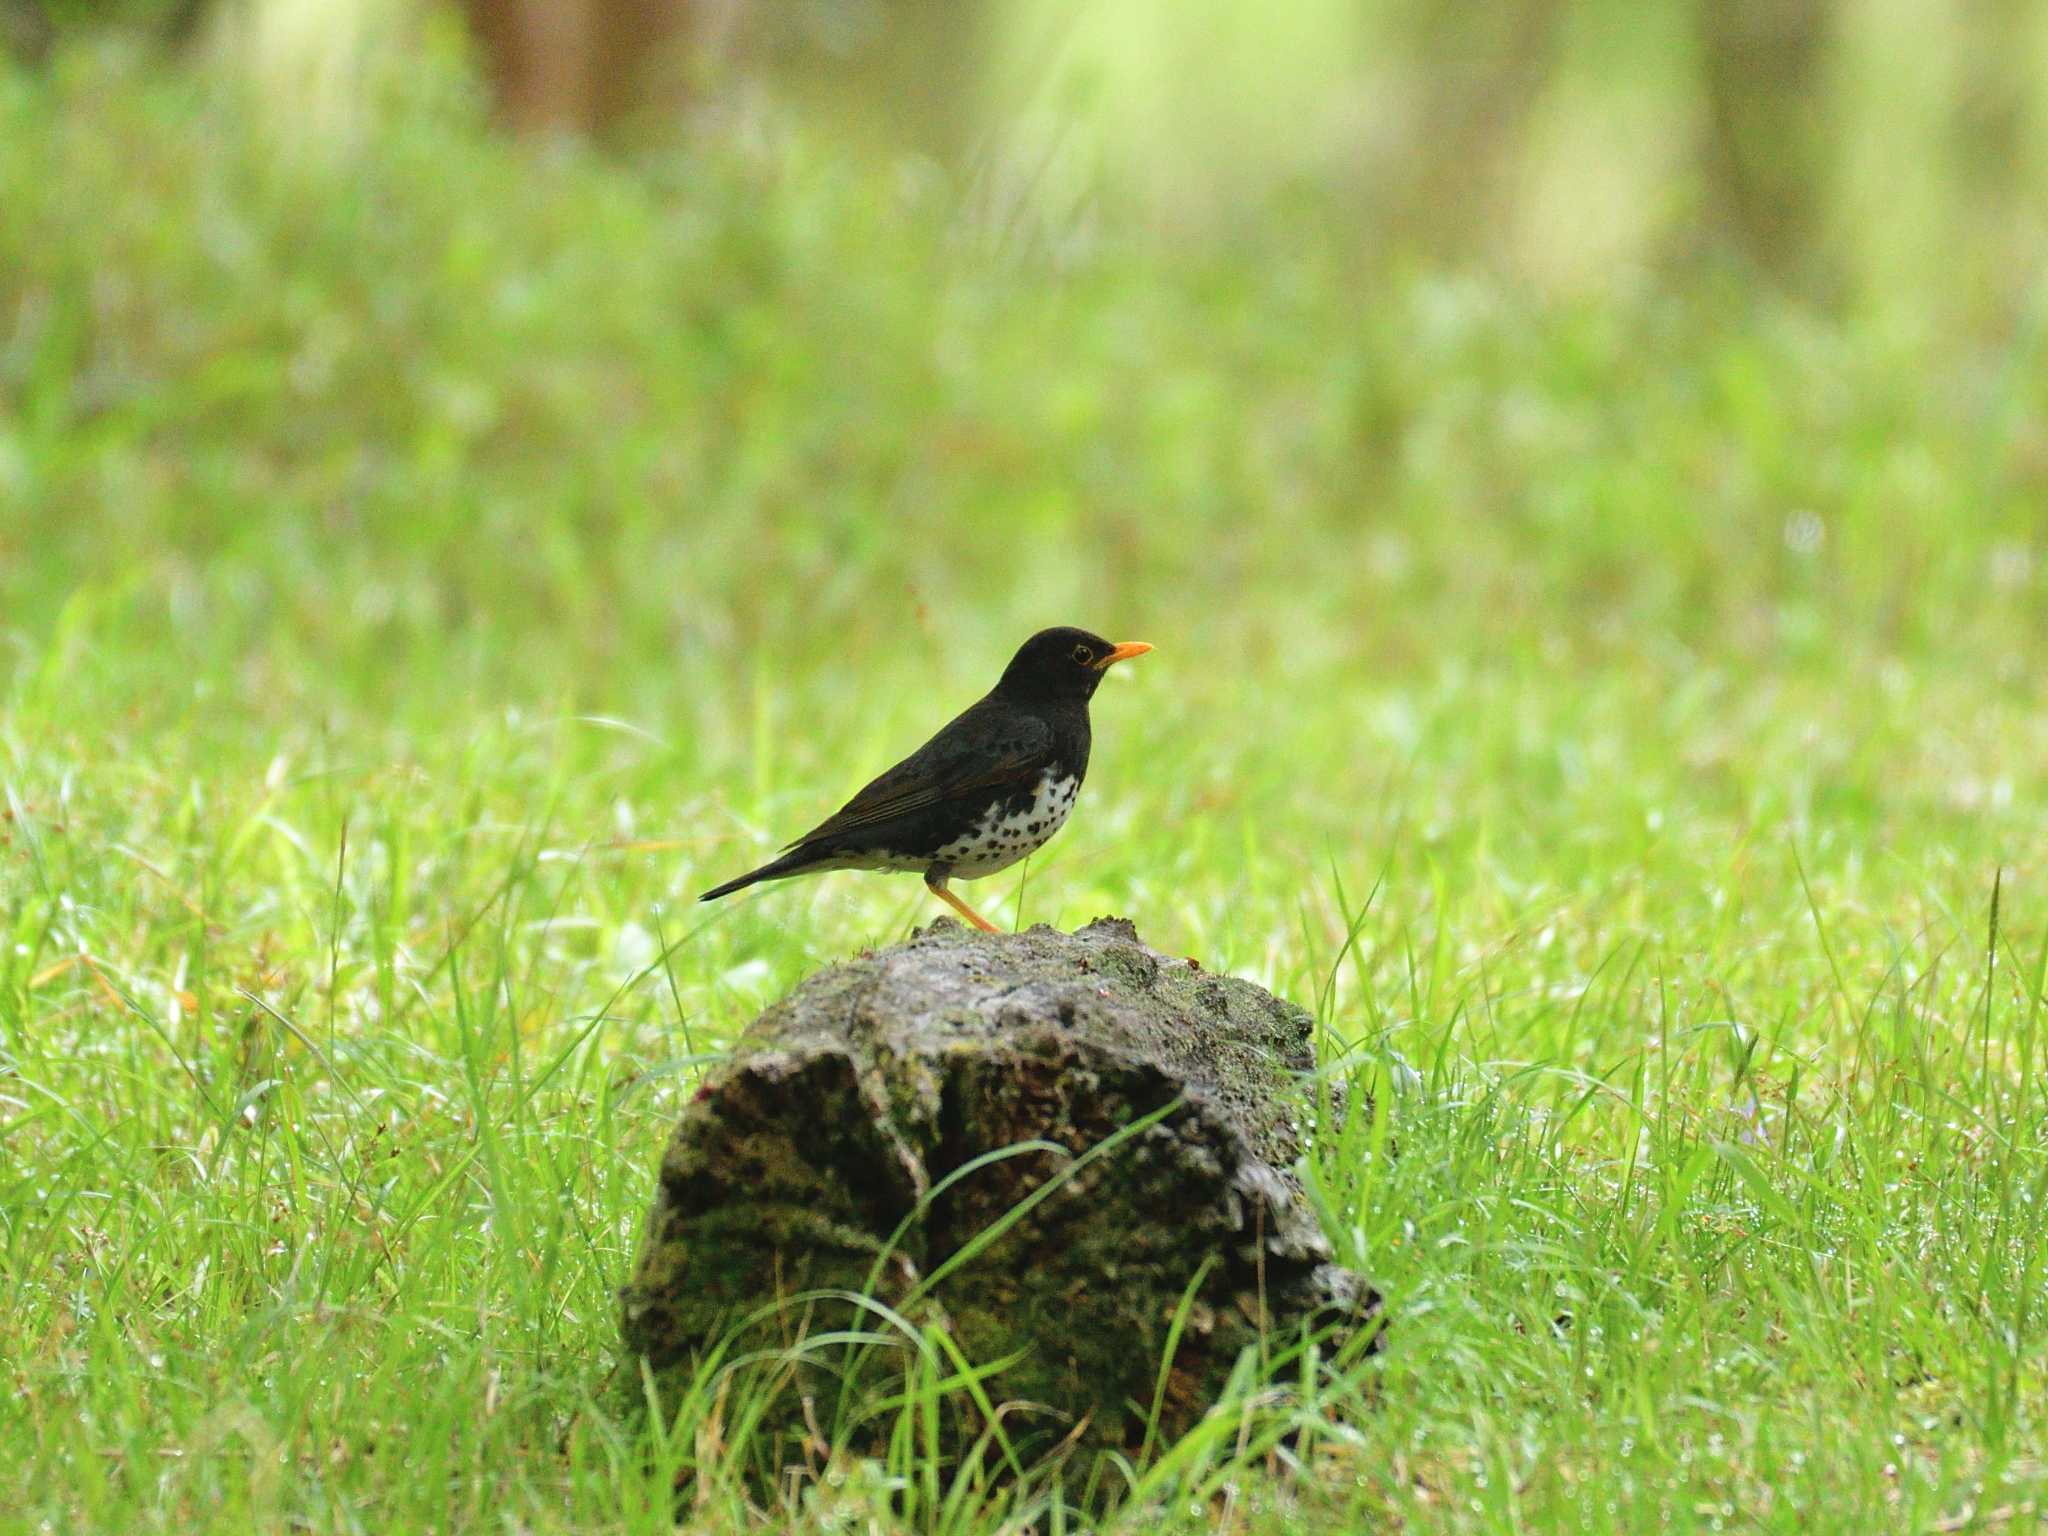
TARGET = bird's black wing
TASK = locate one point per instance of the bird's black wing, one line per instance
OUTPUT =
(982, 753)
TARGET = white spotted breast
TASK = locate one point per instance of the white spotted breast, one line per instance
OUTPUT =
(1010, 829)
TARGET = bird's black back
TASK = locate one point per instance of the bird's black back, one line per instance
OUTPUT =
(988, 784)
(995, 751)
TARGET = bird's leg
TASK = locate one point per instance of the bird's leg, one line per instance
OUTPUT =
(938, 888)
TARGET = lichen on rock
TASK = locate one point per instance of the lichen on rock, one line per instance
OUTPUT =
(817, 1160)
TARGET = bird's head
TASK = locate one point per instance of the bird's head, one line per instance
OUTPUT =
(1064, 664)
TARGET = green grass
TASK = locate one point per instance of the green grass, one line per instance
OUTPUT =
(422, 570)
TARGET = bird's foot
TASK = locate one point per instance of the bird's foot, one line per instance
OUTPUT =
(962, 908)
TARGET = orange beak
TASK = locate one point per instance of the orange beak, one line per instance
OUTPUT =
(1122, 652)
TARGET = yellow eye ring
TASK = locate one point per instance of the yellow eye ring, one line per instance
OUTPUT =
(1083, 655)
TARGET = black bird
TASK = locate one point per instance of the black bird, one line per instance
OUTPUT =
(991, 787)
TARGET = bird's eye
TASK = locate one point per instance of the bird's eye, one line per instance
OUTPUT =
(1083, 655)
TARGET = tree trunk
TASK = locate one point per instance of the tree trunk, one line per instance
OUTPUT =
(572, 65)
(1765, 124)
(817, 1163)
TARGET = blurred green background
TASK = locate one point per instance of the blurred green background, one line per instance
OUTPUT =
(1104, 302)
(472, 476)
(1458, 326)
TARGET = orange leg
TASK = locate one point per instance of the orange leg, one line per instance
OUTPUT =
(938, 889)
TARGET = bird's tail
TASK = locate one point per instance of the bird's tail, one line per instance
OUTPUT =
(795, 862)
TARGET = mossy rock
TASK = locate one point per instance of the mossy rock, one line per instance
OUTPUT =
(847, 1104)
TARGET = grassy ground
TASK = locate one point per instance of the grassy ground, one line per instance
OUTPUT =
(422, 569)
